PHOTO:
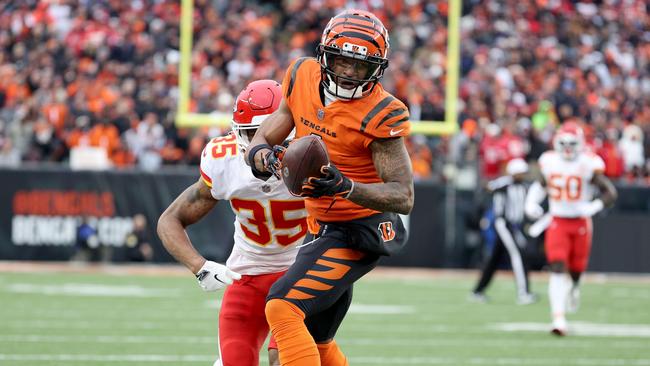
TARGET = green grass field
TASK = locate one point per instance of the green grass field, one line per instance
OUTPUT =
(92, 319)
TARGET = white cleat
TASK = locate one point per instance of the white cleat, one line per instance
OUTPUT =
(478, 297)
(573, 302)
(559, 326)
(527, 299)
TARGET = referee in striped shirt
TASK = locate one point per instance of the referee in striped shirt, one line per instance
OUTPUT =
(509, 195)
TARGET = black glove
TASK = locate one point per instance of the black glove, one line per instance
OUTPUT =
(334, 183)
(273, 160)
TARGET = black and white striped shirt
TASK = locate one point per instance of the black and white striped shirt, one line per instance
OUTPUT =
(508, 199)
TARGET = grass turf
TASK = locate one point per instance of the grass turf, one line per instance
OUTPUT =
(49, 319)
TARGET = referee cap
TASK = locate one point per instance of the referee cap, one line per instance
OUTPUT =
(516, 166)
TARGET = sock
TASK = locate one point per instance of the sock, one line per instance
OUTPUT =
(295, 345)
(331, 355)
(559, 286)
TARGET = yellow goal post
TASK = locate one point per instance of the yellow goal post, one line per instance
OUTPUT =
(184, 118)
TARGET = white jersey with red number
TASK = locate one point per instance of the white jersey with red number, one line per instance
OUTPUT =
(568, 182)
(269, 221)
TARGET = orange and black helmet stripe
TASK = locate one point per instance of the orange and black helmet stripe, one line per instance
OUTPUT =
(358, 24)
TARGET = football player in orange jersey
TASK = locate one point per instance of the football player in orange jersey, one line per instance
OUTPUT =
(368, 182)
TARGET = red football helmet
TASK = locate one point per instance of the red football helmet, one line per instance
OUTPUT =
(256, 102)
(358, 39)
(569, 140)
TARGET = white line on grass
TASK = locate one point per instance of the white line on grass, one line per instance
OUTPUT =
(37, 338)
(569, 343)
(354, 308)
(497, 361)
(86, 289)
(582, 361)
(107, 325)
(581, 328)
(107, 358)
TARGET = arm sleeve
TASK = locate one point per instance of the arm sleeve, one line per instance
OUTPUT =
(204, 167)
(499, 203)
(210, 169)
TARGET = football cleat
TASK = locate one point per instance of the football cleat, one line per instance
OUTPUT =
(559, 326)
(527, 299)
(573, 302)
(478, 297)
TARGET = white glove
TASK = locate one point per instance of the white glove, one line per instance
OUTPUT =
(214, 276)
(538, 227)
(535, 195)
(533, 210)
(593, 208)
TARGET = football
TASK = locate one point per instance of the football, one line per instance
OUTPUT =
(303, 159)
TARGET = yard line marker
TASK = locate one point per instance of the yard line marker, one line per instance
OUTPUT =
(87, 289)
(497, 361)
(106, 358)
(581, 328)
(354, 308)
(111, 339)
(581, 361)
(570, 343)
(381, 309)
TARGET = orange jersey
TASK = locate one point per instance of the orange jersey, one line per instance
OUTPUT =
(346, 127)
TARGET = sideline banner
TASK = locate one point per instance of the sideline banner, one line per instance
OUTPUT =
(42, 209)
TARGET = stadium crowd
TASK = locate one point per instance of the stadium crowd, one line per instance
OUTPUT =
(105, 73)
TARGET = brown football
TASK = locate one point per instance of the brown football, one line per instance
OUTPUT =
(303, 159)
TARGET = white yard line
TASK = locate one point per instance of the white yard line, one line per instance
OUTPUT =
(157, 358)
(89, 289)
(418, 342)
(106, 358)
(109, 324)
(582, 361)
(581, 328)
(380, 272)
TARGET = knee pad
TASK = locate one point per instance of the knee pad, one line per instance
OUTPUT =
(278, 311)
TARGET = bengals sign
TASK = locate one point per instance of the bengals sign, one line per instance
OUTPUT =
(51, 217)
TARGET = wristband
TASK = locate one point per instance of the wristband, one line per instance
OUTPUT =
(251, 161)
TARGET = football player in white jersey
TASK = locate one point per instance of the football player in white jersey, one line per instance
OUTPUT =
(568, 174)
(269, 223)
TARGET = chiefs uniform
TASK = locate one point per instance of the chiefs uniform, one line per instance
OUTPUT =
(269, 224)
(568, 238)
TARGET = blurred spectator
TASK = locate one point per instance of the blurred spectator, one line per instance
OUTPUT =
(116, 62)
(421, 157)
(631, 146)
(137, 242)
(611, 154)
(9, 155)
(87, 246)
(492, 152)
